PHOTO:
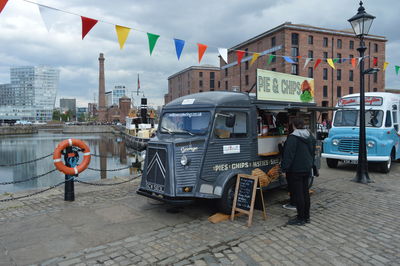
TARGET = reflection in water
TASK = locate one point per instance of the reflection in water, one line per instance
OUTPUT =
(16, 149)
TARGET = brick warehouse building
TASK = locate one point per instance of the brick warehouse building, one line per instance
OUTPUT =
(298, 40)
(308, 42)
(192, 80)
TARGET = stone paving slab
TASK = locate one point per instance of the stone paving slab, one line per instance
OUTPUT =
(352, 224)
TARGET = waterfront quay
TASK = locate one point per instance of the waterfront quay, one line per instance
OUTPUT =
(351, 224)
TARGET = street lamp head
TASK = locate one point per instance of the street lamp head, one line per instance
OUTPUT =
(361, 22)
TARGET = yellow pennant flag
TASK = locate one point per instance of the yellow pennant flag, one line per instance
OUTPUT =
(255, 56)
(122, 34)
(330, 62)
(385, 65)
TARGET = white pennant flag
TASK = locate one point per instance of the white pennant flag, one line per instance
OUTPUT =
(224, 54)
(306, 63)
(49, 16)
(359, 60)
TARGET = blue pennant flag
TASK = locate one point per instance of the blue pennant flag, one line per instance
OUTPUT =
(179, 47)
(289, 60)
(344, 60)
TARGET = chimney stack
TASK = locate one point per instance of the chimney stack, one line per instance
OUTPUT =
(102, 90)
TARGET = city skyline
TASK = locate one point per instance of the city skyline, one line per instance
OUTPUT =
(230, 25)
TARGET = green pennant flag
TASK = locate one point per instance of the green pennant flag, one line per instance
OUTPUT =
(271, 57)
(335, 60)
(397, 69)
(152, 41)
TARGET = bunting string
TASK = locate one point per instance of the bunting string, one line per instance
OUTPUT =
(122, 35)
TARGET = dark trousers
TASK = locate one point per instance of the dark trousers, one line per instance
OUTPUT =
(290, 188)
(299, 184)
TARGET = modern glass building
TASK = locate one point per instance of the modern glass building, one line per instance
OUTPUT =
(31, 95)
(118, 92)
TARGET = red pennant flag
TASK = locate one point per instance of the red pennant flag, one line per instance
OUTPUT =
(353, 62)
(202, 50)
(375, 63)
(317, 62)
(87, 25)
(2, 4)
(240, 55)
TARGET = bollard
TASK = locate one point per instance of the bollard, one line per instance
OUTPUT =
(69, 190)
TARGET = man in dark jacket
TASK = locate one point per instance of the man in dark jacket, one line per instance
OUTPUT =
(297, 162)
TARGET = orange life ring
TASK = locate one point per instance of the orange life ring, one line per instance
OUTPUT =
(71, 170)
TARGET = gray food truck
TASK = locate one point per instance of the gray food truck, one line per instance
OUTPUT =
(205, 140)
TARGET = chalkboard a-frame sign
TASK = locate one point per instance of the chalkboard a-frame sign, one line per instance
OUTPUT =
(245, 195)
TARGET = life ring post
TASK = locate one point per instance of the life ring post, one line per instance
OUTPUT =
(69, 187)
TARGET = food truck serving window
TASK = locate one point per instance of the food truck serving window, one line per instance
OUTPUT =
(349, 118)
(185, 122)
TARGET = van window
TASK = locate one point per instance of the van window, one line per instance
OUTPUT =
(349, 118)
(185, 122)
(221, 131)
(395, 121)
(388, 121)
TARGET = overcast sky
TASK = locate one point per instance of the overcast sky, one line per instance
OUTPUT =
(26, 41)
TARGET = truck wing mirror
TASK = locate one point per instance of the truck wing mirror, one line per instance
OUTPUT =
(230, 120)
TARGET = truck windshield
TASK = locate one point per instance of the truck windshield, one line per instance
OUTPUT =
(185, 122)
(350, 118)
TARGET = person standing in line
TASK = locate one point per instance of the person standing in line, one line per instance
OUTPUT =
(297, 163)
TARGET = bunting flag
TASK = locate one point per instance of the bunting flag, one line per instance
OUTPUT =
(375, 62)
(335, 60)
(254, 58)
(289, 59)
(239, 55)
(152, 41)
(122, 34)
(2, 4)
(223, 52)
(344, 60)
(397, 69)
(49, 16)
(308, 60)
(330, 62)
(385, 65)
(353, 62)
(179, 44)
(319, 60)
(87, 25)
(271, 57)
(359, 60)
(201, 50)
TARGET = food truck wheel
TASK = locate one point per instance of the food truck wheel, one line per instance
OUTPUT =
(385, 166)
(332, 163)
(226, 201)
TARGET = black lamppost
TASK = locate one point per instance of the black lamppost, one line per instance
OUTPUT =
(361, 23)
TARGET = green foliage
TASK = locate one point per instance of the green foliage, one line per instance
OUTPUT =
(306, 96)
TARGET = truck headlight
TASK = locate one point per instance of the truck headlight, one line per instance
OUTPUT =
(335, 142)
(184, 160)
(370, 144)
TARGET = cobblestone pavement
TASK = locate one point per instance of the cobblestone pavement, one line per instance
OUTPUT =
(351, 224)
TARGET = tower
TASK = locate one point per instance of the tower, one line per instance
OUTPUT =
(102, 91)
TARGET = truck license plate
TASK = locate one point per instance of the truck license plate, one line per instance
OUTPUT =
(350, 161)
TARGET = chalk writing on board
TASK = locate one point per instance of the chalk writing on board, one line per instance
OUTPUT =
(245, 193)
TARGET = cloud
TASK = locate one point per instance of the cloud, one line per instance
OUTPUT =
(25, 40)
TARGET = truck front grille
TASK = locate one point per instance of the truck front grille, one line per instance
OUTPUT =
(348, 145)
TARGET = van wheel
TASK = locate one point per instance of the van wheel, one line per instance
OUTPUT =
(332, 163)
(385, 166)
(226, 201)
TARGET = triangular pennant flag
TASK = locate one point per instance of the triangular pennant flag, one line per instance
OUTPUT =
(87, 25)
(306, 62)
(49, 16)
(375, 62)
(201, 50)
(330, 62)
(299, 57)
(317, 62)
(179, 44)
(254, 58)
(359, 60)
(397, 69)
(344, 60)
(335, 60)
(2, 4)
(353, 62)
(152, 41)
(385, 65)
(122, 34)
(239, 55)
(288, 59)
(271, 57)
(223, 52)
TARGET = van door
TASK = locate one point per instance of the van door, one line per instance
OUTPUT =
(230, 148)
